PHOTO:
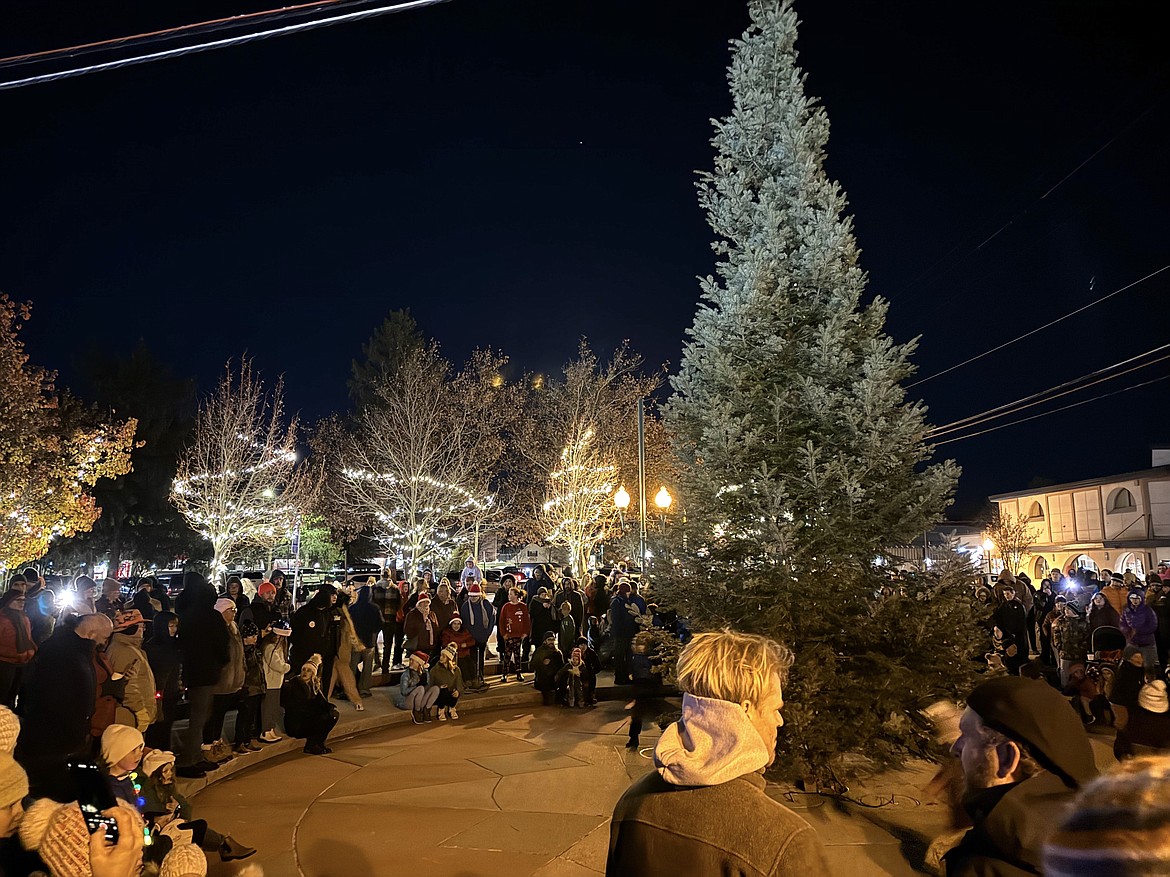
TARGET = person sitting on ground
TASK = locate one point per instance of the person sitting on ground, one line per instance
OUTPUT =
(464, 644)
(308, 715)
(449, 679)
(170, 813)
(1119, 825)
(412, 692)
(1024, 754)
(705, 803)
(547, 661)
(1148, 730)
(276, 667)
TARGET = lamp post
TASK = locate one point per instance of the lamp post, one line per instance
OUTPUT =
(642, 485)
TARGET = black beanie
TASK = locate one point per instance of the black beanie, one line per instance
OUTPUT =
(1033, 712)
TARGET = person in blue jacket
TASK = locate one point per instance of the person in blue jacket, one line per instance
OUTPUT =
(479, 619)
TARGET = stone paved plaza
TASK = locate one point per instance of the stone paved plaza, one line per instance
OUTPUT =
(511, 792)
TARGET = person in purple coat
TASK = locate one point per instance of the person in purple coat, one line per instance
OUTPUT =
(1140, 624)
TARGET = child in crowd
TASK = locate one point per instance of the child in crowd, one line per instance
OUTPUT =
(590, 667)
(464, 642)
(248, 714)
(413, 692)
(449, 678)
(515, 625)
(570, 681)
(276, 666)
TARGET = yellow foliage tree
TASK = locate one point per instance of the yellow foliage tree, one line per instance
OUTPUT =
(52, 451)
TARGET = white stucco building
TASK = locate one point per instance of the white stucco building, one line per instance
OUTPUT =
(1119, 522)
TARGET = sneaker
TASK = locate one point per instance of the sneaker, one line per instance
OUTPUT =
(453, 712)
(519, 678)
(270, 737)
(241, 749)
(310, 749)
(442, 715)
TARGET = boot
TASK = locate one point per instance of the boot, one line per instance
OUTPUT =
(232, 849)
(416, 716)
(427, 716)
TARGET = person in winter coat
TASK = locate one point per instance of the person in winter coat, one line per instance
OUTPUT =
(1011, 619)
(57, 703)
(389, 599)
(308, 715)
(1070, 639)
(262, 610)
(449, 678)
(543, 619)
(251, 694)
(597, 600)
(227, 686)
(464, 644)
(706, 804)
(276, 667)
(444, 605)
(311, 633)
(367, 624)
(1116, 591)
(515, 627)
(1045, 602)
(1140, 624)
(568, 595)
(139, 706)
(1148, 729)
(570, 680)
(144, 600)
(413, 693)
(283, 604)
(347, 644)
(165, 661)
(568, 629)
(547, 661)
(203, 638)
(421, 628)
(1101, 614)
(479, 619)
(1127, 682)
(234, 590)
(111, 691)
(1024, 754)
(17, 646)
(624, 611)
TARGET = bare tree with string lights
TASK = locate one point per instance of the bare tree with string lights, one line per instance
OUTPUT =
(414, 464)
(579, 511)
(240, 483)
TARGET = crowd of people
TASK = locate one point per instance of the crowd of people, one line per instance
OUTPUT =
(100, 674)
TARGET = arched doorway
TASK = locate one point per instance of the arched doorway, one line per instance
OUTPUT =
(1131, 563)
(1081, 561)
(1039, 568)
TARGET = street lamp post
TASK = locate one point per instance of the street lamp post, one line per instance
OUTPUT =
(642, 485)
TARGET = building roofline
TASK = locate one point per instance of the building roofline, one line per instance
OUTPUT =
(1163, 471)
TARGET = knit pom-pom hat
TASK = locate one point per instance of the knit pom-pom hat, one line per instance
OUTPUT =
(184, 860)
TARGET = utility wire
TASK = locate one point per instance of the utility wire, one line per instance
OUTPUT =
(1047, 325)
(1051, 393)
(960, 438)
(220, 44)
(167, 33)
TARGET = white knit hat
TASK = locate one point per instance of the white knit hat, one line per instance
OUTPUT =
(1152, 697)
(118, 741)
(184, 860)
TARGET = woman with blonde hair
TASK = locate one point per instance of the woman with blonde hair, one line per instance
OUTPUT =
(307, 713)
(350, 642)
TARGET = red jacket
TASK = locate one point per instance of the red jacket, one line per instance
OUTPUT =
(462, 639)
(515, 620)
(8, 640)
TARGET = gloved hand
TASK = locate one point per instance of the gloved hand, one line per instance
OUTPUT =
(115, 688)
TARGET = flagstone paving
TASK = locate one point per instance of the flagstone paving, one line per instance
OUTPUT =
(523, 791)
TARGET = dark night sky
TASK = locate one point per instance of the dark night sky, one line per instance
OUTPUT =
(520, 173)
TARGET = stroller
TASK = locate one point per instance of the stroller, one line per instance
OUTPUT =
(1108, 644)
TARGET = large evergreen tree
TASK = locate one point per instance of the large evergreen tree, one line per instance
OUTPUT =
(802, 457)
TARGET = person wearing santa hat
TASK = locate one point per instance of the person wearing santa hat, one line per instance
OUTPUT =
(479, 619)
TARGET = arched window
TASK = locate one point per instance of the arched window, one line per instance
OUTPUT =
(1040, 570)
(1121, 500)
(1036, 512)
(1131, 563)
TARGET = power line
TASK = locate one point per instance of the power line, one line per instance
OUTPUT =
(1047, 325)
(1051, 393)
(171, 32)
(1053, 411)
(220, 44)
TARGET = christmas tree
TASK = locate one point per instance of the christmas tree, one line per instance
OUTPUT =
(802, 458)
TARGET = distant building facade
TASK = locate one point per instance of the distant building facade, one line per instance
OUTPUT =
(1119, 522)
